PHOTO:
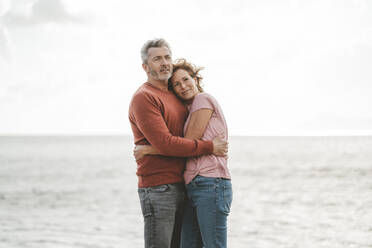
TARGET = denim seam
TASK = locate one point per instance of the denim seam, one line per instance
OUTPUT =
(215, 214)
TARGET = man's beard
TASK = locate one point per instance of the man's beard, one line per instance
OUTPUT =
(156, 75)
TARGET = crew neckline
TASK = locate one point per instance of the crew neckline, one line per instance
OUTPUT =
(154, 87)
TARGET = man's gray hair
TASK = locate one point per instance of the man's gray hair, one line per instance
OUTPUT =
(153, 43)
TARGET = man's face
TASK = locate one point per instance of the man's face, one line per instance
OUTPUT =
(159, 64)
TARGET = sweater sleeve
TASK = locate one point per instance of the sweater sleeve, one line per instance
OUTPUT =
(150, 122)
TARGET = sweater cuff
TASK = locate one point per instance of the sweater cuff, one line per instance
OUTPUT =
(206, 147)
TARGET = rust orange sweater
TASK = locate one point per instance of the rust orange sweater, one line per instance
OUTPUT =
(157, 118)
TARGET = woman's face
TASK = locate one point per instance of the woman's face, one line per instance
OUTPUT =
(184, 85)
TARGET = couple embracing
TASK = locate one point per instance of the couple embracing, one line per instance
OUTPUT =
(180, 133)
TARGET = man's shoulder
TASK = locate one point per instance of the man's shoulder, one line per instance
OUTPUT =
(146, 95)
(143, 92)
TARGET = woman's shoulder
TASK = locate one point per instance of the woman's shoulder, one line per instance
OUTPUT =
(205, 95)
(204, 100)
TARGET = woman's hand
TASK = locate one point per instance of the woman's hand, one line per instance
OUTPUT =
(140, 151)
(220, 146)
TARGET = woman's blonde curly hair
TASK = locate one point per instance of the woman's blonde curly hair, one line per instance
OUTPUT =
(191, 69)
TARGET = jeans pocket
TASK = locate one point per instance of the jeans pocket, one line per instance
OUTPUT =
(205, 183)
(160, 188)
(145, 203)
(225, 203)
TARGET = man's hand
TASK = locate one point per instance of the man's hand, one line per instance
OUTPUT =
(220, 146)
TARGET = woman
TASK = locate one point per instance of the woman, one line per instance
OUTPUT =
(207, 178)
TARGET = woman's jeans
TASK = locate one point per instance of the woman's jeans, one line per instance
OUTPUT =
(206, 211)
(162, 208)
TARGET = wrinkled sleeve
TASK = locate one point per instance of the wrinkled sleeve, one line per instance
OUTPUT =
(202, 101)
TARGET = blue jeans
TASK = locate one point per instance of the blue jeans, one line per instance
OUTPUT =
(206, 211)
(162, 208)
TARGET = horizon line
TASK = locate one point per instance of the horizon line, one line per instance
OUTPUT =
(253, 134)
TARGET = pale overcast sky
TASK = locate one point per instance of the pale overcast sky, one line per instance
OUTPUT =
(276, 67)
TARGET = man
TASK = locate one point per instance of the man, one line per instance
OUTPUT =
(157, 117)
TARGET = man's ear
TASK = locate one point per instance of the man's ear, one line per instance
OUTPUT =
(145, 67)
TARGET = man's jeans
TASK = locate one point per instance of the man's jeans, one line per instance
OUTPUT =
(162, 208)
(206, 211)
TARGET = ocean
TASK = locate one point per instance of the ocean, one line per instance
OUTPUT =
(81, 191)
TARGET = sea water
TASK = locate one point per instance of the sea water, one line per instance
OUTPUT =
(81, 191)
